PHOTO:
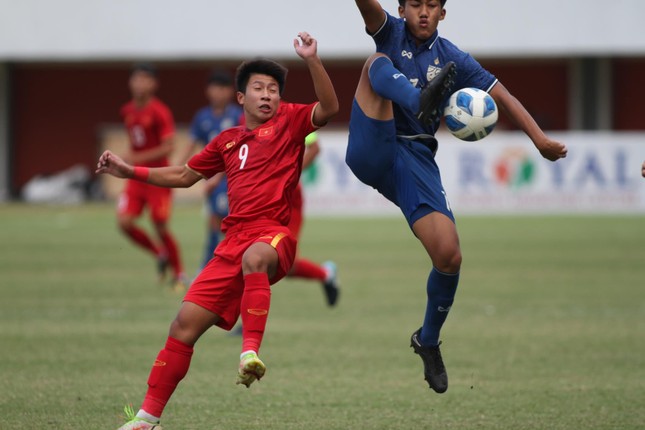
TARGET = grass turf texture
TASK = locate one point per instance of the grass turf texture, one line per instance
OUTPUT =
(547, 329)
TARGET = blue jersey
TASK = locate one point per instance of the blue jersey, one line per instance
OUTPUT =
(206, 125)
(422, 63)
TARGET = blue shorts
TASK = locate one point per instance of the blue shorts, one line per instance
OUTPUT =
(218, 200)
(404, 171)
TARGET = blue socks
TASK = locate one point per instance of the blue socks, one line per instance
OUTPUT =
(441, 290)
(388, 82)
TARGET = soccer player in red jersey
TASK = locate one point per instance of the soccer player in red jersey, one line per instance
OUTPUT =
(262, 161)
(151, 129)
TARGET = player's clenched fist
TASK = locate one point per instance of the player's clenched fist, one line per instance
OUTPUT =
(113, 165)
(305, 45)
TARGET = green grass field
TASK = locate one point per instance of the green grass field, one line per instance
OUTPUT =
(547, 332)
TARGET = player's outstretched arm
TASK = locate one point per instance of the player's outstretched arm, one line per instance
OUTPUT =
(515, 111)
(170, 177)
(328, 102)
(372, 13)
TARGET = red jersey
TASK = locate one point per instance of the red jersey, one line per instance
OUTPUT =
(262, 165)
(148, 126)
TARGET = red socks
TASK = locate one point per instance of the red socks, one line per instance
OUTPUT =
(306, 269)
(169, 368)
(254, 310)
(173, 253)
(173, 361)
(140, 237)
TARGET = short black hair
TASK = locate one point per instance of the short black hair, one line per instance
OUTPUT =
(148, 68)
(402, 3)
(262, 66)
(220, 77)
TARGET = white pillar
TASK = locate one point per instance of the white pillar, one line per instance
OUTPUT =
(590, 97)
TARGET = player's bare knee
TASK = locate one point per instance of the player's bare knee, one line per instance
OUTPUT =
(254, 262)
(449, 262)
(125, 223)
(161, 228)
(183, 332)
(177, 329)
(455, 262)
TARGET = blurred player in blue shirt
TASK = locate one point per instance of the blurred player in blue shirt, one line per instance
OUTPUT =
(395, 114)
(221, 113)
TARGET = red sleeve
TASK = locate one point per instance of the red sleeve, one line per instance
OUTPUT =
(208, 161)
(166, 121)
(301, 123)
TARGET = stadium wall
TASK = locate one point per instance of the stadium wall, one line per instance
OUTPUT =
(64, 106)
(59, 109)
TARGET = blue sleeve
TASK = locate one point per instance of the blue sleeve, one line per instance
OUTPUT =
(471, 74)
(382, 35)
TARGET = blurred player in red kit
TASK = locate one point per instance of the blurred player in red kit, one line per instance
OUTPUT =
(326, 273)
(262, 161)
(151, 130)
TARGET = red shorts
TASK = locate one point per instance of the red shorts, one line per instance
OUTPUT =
(220, 285)
(137, 195)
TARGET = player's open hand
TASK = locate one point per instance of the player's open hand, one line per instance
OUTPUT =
(305, 45)
(552, 150)
(113, 165)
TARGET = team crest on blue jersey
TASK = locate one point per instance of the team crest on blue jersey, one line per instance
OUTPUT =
(432, 72)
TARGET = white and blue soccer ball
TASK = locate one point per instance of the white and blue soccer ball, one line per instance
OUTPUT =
(471, 114)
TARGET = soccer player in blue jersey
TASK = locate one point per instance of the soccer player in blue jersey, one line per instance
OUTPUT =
(395, 114)
(221, 113)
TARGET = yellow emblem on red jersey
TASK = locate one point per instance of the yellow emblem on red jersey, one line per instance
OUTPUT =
(230, 144)
(263, 132)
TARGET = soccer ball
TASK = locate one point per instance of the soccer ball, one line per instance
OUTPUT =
(471, 114)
